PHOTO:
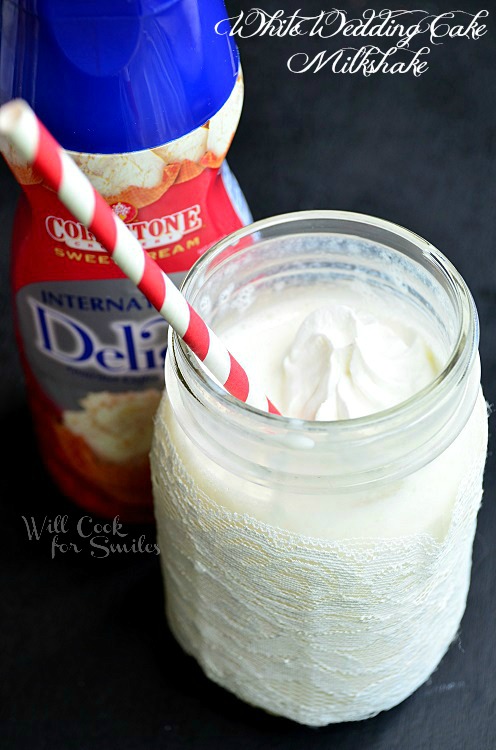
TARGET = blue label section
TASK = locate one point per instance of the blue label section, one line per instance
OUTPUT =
(139, 347)
(89, 336)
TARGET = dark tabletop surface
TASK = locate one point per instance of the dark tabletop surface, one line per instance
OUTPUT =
(86, 658)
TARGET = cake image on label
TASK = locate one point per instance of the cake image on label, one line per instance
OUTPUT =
(116, 426)
(107, 441)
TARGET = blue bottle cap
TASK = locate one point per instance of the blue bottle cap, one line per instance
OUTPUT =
(112, 76)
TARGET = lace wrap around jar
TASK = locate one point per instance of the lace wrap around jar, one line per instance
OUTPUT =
(320, 570)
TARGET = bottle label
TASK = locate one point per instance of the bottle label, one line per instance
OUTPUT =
(92, 345)
(73, 353)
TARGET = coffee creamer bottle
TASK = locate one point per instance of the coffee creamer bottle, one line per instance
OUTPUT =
(146, 97)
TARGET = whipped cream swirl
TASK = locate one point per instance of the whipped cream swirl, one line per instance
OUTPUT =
(344, 364)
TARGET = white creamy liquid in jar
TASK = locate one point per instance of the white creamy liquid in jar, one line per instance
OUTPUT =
(304, 347)
(331, 606)
(334, 355)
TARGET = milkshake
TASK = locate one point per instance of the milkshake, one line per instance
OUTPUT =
(317, 564)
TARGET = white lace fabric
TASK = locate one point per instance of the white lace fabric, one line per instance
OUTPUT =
(318, 631)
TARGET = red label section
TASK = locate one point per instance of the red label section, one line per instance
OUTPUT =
(50, 246)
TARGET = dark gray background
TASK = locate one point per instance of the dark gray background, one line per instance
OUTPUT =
(86, 660)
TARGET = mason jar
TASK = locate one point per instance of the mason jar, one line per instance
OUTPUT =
(319, 569)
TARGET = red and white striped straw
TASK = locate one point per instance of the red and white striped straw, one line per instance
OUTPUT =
(29, 137)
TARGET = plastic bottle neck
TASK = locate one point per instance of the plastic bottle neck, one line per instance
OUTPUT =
(114, 76)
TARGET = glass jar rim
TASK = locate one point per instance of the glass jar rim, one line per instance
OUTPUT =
(458, 362)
